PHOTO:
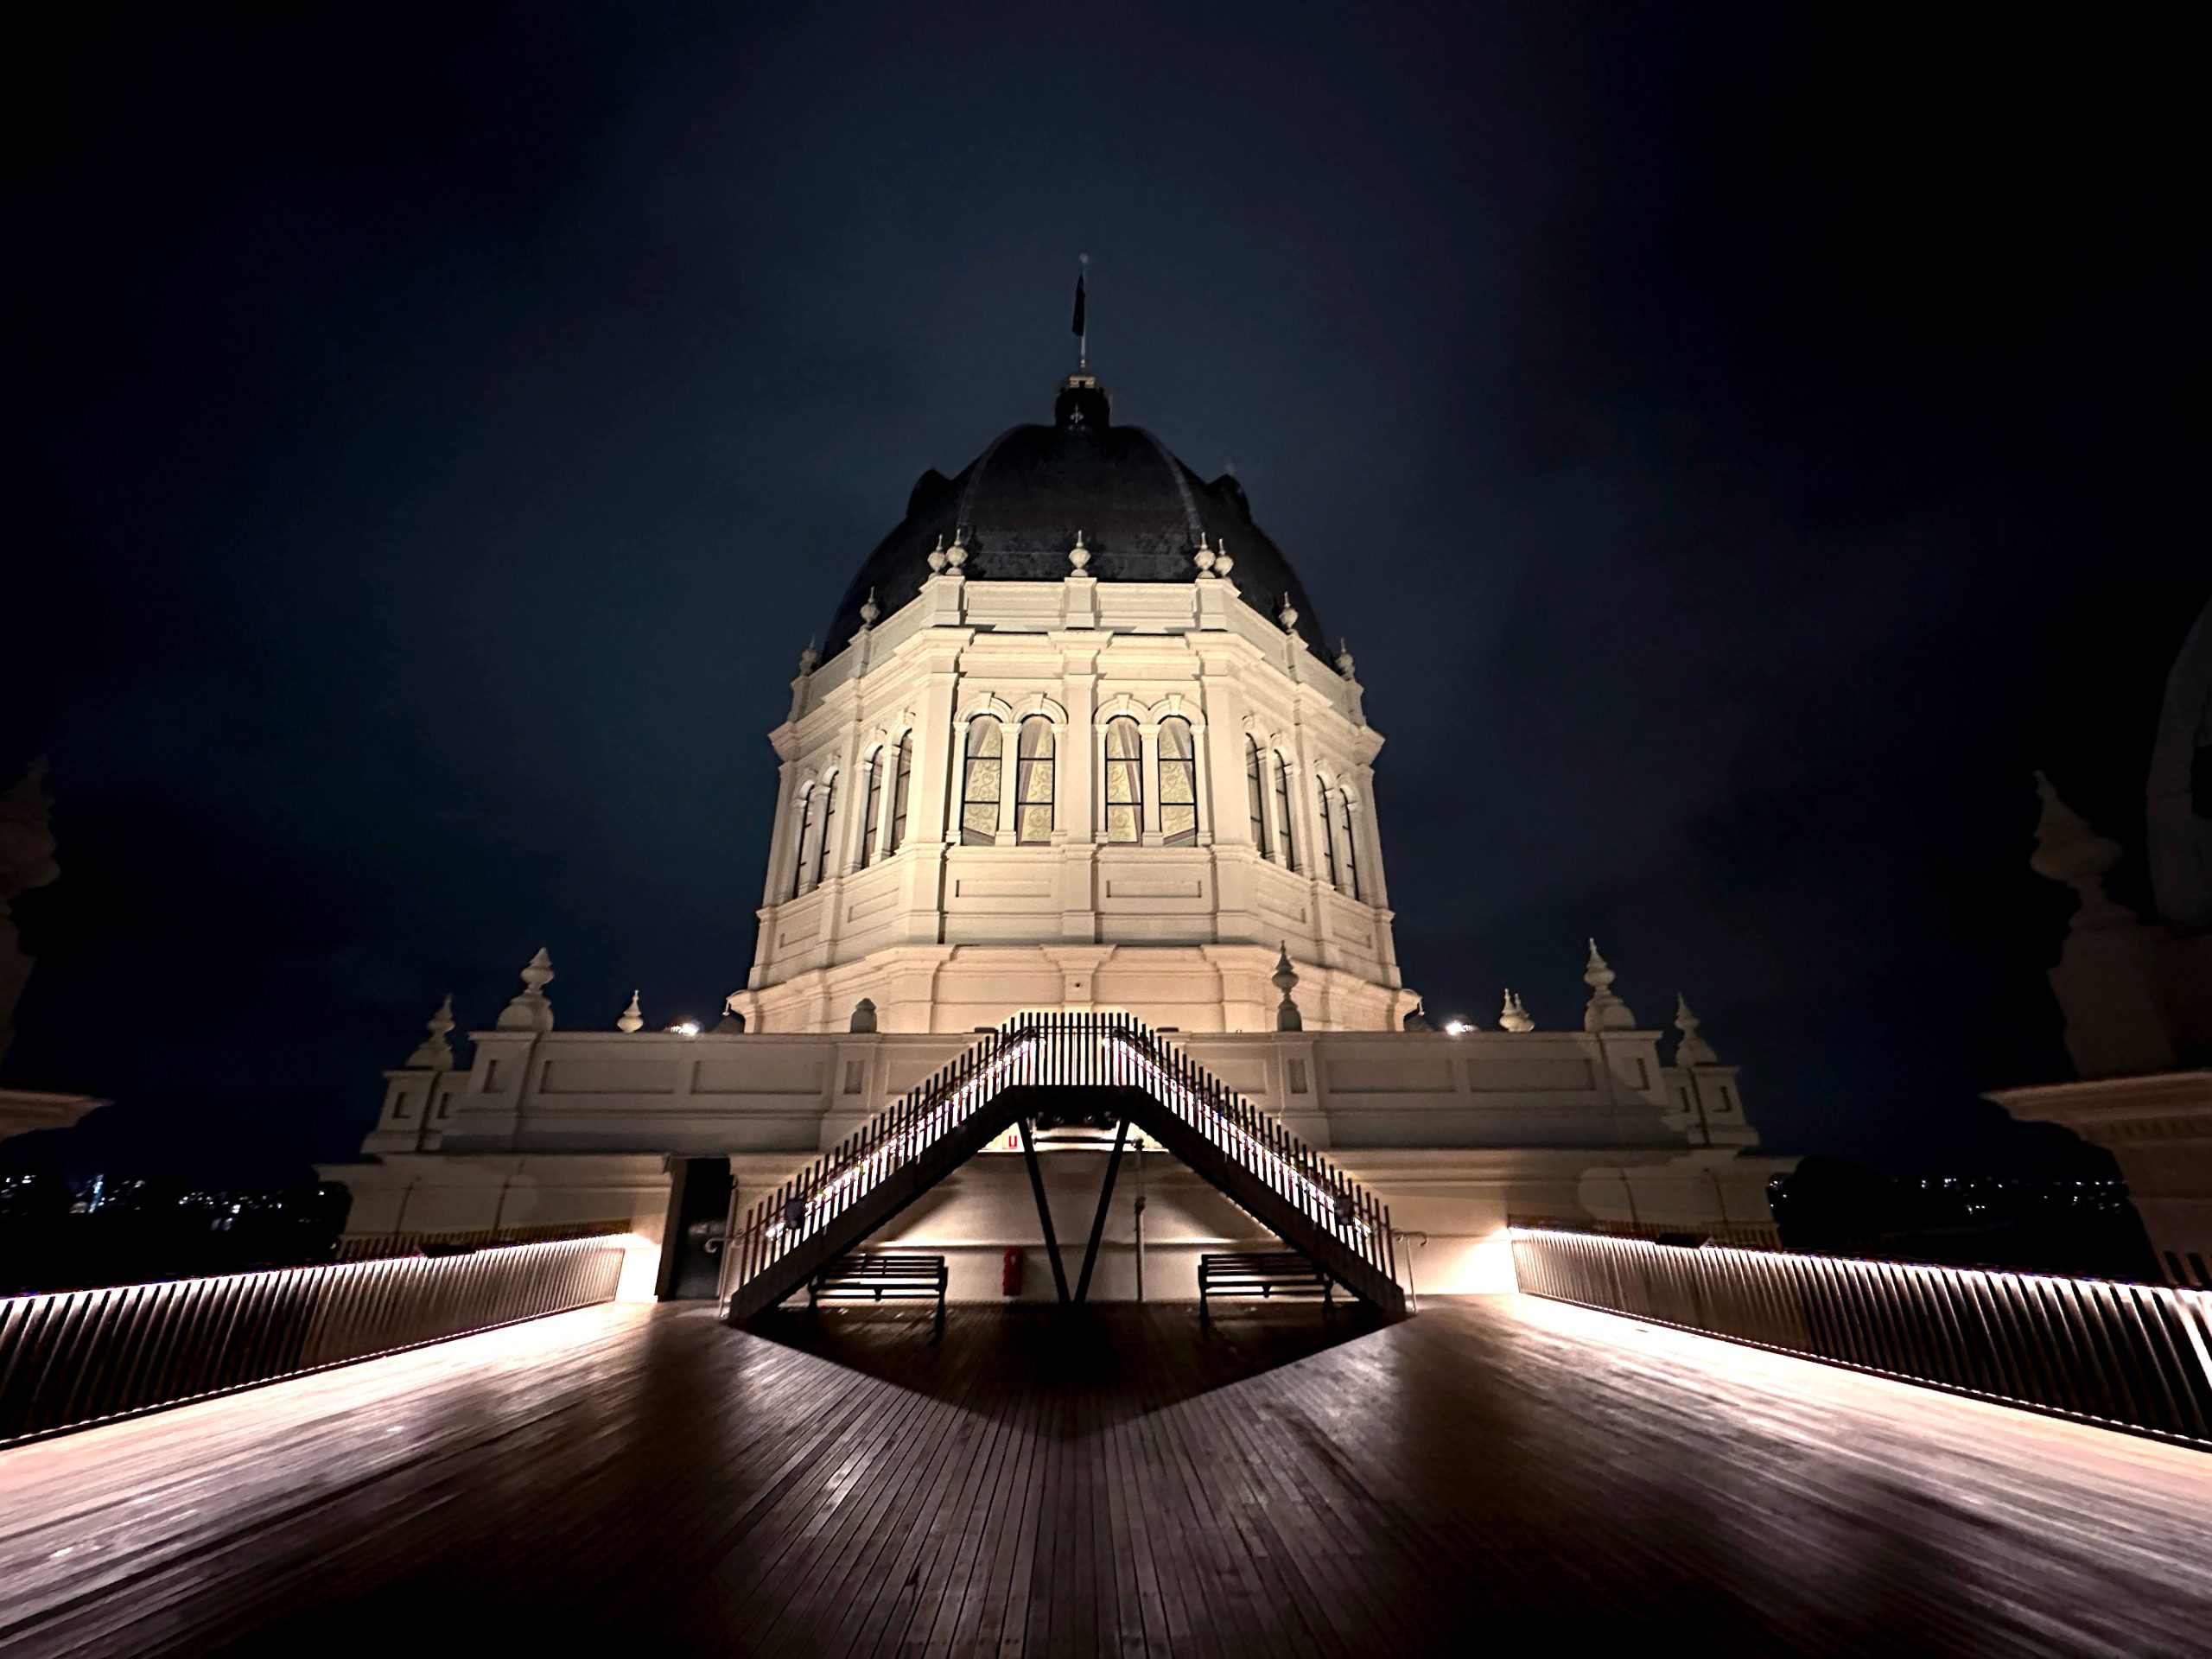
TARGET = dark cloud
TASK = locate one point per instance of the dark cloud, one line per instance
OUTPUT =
(1739, 445)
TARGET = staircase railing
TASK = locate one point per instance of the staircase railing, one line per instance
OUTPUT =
(1329, 1201)
(830, 1206)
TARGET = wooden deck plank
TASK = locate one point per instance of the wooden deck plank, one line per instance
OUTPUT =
(1111, 1480)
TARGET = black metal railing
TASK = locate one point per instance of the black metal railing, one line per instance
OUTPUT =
(2136, 1356)
(854, 1187)
(79, 1357)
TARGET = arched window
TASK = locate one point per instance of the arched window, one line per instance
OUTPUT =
(1328, 838)
(1032, 782)
(1255, 794)
(1283, 814)
(828, 859)
(871, 804)
(1179, 783)
(979, 790)
(901, 781)
(1124, 779)
(1351, 843)
(803, 842)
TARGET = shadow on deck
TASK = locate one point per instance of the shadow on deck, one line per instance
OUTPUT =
(1074, 1370)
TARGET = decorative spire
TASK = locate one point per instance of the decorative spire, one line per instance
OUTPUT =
(1287, 615)
(633, 1017)
(956, 555)
(870, 610)
(1078, 556)
(2068, 851)
(1222, 563)
(936, 556)
(807, 658)
(530, 1011)
(435, 1054)
(1513, 1016)
(1692, 1049)
(1606, 1012)
(1204, 557)
(1344, 663)
(1286, 981)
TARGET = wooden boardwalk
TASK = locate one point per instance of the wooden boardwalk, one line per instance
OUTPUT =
(1499, 1472)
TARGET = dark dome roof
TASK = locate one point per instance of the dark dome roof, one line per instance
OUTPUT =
(1022, 500)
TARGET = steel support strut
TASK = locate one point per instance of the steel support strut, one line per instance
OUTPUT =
(1044, 1214)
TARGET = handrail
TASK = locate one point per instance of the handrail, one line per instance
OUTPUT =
(1052, 1050)
(72, 1358)
(2125, 1356)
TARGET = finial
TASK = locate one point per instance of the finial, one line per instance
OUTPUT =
(1285, 980)
(1605, 1011)
(870, 610)
(956, 555)
(435, 1054)
(26, 839)
(936, 556)
(1513, 1016)
(2068, 851)
(1078, 556)
(1416, 1019)
(1222, 563)
(528, 1010)
(732, 1024)
(1287, 615)
(633, 1017)
(1692, 1049)
(807, 658)
(1204, 557)
(1344, 663)
(864, 1015)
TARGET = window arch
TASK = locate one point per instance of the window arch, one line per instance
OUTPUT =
(1283, 815)
(1328, 836)
(1179, 783)
(1351, 843)
(871, 809)
(826, 860)
(1032, 782)
(1124, 779)
(802, 840)
(1255, 796)
(902, 782)
(979, 787)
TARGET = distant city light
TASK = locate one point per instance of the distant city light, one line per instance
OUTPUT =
(685, 1027)
(1456, 1027)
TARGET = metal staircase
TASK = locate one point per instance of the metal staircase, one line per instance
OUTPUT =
(1037, 1062)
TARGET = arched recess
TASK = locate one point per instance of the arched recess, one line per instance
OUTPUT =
(1122, 745)
(982, 769)
(1178, 782)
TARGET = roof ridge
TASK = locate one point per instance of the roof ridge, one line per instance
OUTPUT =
(1192, 524)
(964, 515)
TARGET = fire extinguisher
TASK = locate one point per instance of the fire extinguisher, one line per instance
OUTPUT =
(1010, 1272)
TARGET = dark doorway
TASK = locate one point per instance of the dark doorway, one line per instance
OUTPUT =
(698, 1214)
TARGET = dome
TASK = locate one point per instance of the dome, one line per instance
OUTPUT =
(1020, 503)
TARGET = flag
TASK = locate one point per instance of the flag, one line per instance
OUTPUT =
(1077, 327)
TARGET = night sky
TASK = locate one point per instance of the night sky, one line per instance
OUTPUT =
(1738, 443)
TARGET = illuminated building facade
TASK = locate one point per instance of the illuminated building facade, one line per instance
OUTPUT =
(1076, 741)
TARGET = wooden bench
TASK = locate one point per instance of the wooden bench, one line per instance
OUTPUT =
(881, 1278)
(1265, 1274)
